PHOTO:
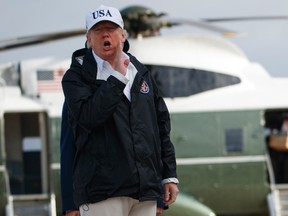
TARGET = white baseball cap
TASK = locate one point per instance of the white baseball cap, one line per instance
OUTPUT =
(104, 13)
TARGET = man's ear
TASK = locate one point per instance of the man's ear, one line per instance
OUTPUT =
(124, 36)
(88, 39)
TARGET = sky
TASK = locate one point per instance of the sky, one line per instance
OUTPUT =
(265, 42)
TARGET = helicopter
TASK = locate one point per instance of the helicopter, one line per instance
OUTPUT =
(220, 104)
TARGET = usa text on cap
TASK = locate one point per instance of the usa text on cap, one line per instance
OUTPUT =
(104, 13)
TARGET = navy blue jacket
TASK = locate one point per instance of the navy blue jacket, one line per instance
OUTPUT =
(68, 150)
(69, 155)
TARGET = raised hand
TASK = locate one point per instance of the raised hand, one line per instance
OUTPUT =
(121, 62)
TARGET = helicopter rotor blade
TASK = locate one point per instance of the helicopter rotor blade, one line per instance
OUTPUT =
(250, 18)
(197, 23)
(11, 43)
(206, 23)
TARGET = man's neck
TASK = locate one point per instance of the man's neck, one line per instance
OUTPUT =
(108, 59)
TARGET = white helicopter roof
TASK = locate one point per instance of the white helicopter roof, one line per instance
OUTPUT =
(191, 51)
(11, 100)
(257, 90)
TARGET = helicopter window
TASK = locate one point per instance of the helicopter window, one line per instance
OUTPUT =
(182, 82)
(9, 76)
(234, 140)
(45, 75)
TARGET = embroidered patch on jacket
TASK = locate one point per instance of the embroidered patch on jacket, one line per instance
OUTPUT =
(144, 88)
(80, 59)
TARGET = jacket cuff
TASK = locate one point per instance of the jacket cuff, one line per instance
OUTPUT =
(120, 77)
(117, 82)
(170, 180)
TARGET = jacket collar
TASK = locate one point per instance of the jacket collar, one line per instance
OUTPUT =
(89, 67)
(85, 58)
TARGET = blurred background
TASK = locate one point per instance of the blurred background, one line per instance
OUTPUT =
(263, 41)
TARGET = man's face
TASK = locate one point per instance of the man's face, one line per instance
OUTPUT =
(104, 39)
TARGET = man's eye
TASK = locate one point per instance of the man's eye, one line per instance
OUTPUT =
(111, 29)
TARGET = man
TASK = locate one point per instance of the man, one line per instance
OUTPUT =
(121, 126)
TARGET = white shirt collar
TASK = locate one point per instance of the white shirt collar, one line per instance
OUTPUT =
(100, 62)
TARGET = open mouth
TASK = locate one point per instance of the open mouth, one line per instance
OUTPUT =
(107, 44)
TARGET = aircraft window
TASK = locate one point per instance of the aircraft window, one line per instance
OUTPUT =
(45, 75)
(234, 140)
(182, 82)
(9, 76)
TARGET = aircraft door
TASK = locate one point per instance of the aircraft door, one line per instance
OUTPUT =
(26, 152)
(276, 140)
